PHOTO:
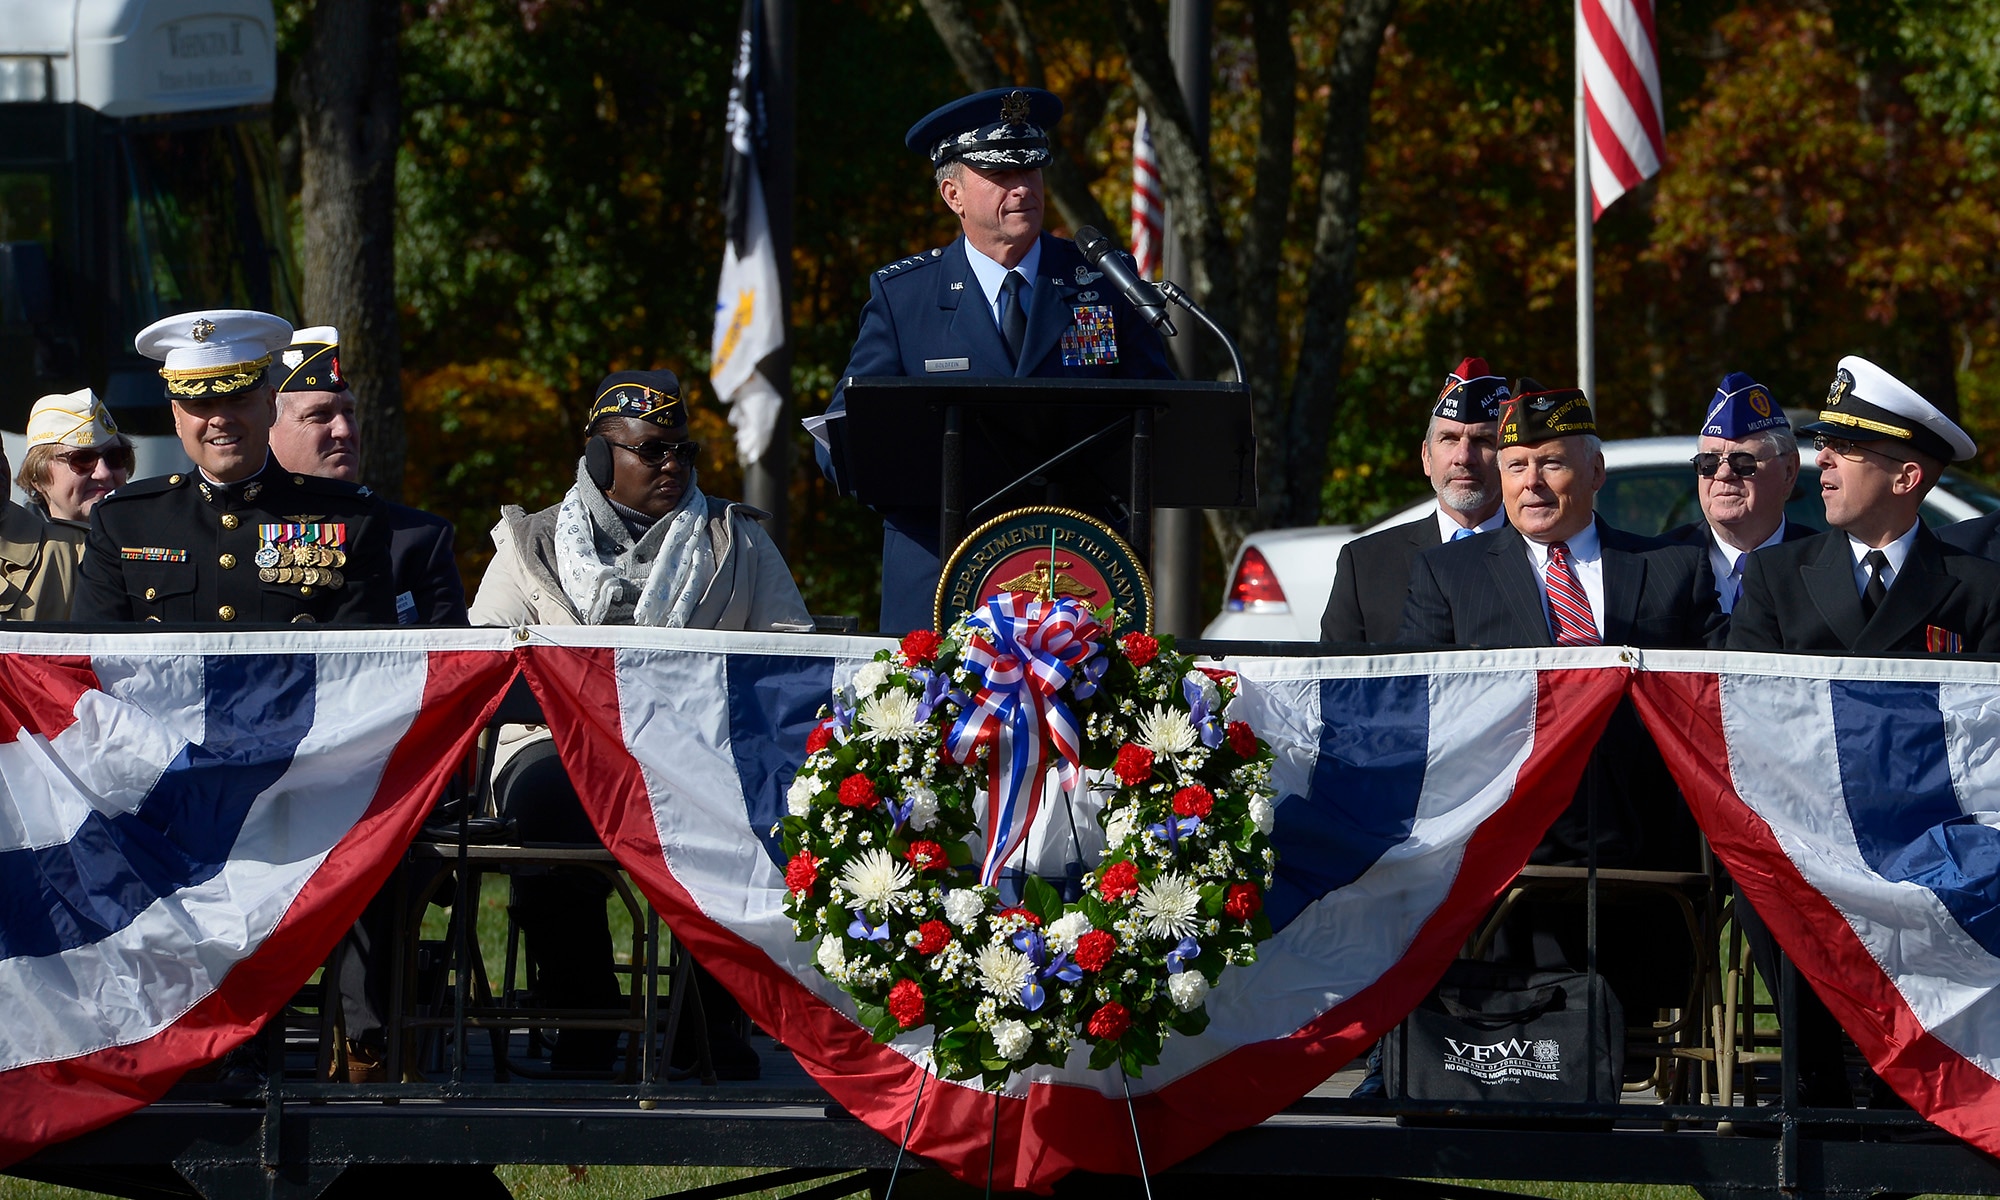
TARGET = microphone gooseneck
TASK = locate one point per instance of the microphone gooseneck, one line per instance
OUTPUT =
(1104, 256)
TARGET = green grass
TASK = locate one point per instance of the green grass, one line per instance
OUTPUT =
(527, 1183)
(493, 930)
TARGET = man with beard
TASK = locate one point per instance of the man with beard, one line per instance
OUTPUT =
(1746, 467)
(1372, 578)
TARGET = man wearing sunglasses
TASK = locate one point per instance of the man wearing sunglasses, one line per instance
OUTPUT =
(1746, 466)
(318, 433)
(634, 542)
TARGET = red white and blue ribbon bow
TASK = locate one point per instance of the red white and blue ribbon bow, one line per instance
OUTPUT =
(1022, 653)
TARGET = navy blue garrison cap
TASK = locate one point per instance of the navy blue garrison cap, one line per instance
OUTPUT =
(1003, 128)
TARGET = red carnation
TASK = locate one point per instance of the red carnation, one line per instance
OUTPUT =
(920, 646)
(1119, 879)
(932, 936)
(1134, 765)
(906, 1003)
(1193, 801)
(1139, 649)
(1241, 739)
(927, 856)
(819, 739)
(1243, 901)
(1094, 949)
(1020, 912)
(801, 873)
(1110, 1022)
(858, 791)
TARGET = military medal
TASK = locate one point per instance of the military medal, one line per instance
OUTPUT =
(268, 557)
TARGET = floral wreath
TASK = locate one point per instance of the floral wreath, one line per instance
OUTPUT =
(890, 870)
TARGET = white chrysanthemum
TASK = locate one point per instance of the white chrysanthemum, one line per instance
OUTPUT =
(1166, 731)
(962, 906)
(874, 877)
(890, 717)
(1263, 814)
(923, 807)
(832, 959)
(799, 799)
(1003, 970)
(1012, 1039)
(871, 676)
(1119, 827)
(1062, 932)
(1187, 990)
(1209, 692)
(1169, 906)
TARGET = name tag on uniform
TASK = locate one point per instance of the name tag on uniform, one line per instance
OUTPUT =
(934, 365)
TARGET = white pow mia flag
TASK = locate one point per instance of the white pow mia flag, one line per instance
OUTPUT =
(749, 323)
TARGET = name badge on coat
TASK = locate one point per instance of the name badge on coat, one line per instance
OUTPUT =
(933, 365)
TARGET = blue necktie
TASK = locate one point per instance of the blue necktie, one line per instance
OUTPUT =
(1461, 533)
(1013, 319)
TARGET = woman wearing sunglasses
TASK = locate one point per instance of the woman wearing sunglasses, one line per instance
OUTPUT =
(75, 457)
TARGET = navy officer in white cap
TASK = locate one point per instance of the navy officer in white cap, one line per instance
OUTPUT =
(238, 538)
(1878, 581)
(1003, 299)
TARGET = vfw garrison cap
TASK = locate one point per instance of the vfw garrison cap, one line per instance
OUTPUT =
(1004, 127)
(1741, 407)
(1472, 394)
(312, 362)
(1539, 414)
(217, 352)
(642, 395)
(1867, 404)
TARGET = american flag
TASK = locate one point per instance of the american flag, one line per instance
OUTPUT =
(1148, 213)
(1618, 49)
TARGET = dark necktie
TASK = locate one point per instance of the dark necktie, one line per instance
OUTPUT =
(1876, 591)
(1013, 318)
(1733, 585)
(1569, 607)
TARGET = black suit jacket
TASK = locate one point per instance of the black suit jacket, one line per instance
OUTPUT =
(423, 568)
(1483, 592)
(1802, 596)
(1371, 579)
(1980, 535)
(1695, 533)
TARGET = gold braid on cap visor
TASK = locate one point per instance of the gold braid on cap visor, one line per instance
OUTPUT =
(217, 381)
(1841, 418)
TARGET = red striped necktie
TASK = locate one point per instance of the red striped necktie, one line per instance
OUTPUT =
(1569, 608)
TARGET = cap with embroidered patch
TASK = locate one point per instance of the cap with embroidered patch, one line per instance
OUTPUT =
(1741, 407)
(1003, 128)
(642, 395)
(1539, 414)
(1867, 404)
(77, 418)
(312, 362)
(217, 352)
(1472, 394)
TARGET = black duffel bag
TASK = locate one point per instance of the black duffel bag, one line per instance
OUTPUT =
(1513, 1034)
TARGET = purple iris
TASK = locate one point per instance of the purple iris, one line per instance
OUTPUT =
(1089, 672)
(1030, 942)
(843, 717)
(1210, 724)
(1174, 830)
(860, 928)
(1180, 956)
(935, 687)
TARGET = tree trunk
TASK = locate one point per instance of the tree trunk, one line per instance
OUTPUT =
(346, 92)
(1293, 497)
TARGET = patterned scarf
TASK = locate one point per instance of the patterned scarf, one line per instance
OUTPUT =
(615, 580)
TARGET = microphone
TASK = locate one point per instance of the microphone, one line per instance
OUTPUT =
(1104, 255)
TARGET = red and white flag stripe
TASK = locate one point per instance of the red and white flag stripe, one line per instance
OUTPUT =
(1619, 51)
(1148, 212)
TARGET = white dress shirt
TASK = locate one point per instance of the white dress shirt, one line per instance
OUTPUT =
(1448, 525)
(991, 275)
(1897, 552)
(1727, 562)
(1586, 558)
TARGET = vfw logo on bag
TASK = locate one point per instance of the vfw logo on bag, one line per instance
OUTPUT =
(1506, 1061)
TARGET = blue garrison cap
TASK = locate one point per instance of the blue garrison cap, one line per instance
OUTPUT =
(1741, 407)
(1002, 128)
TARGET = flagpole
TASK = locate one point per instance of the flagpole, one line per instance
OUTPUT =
(1586, 319)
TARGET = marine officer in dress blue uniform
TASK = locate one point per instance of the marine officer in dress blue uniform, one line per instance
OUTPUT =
(238, 537)
(1004, 299)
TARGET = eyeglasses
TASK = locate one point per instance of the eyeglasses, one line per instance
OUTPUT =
(1743, 463)
(1851, 451)
(655, 453)
(83, 462)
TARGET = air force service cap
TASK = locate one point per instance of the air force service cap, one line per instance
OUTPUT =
(1472, 394)
(1867, 404)
(1540, 414)
(1002, 128)
(312, 362)
(218, 352)
(642, 395)
(1741, 407)
(76, 419)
